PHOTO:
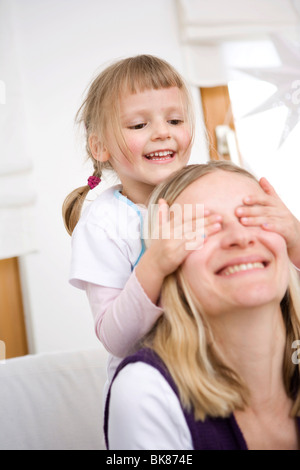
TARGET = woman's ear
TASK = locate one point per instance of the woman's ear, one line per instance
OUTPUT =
(98, 150)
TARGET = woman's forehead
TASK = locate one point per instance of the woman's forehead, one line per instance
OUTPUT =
(220, 190)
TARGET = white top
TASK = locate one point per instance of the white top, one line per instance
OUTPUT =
(106, 246)
(106, 242)
(145, 413)
(121, 317)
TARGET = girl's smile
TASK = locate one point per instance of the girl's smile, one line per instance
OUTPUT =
(161, 156)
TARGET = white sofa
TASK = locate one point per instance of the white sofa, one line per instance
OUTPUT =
(53, 401)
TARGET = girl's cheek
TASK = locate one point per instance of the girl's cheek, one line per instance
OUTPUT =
(187, 138)
(132, 139)
(132, 144)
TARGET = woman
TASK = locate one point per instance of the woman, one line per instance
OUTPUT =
(217, 371)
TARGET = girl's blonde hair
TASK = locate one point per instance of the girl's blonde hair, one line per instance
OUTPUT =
(183, 339)
(100, 112)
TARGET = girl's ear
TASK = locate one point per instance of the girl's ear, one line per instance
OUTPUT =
(97, 149)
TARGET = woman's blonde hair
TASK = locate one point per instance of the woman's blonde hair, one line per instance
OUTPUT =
(183, 339)
(100, 112)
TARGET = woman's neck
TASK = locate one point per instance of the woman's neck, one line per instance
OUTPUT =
(252, 343)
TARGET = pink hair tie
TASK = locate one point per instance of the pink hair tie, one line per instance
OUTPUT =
(93, 181)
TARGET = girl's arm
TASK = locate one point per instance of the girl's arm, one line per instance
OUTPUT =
(165, 254)
(122, 316)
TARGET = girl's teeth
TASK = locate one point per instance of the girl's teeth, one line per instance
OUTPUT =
(159, 155)
(243, 267)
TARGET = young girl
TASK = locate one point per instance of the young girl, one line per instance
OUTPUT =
(139, 122)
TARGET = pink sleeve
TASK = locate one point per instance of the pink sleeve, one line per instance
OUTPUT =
(122, 316)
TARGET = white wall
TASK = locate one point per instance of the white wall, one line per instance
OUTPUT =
(62, 43)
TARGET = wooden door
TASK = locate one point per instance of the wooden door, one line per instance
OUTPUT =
(12, 323)
(217, 112)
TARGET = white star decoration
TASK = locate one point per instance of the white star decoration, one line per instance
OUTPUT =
(286, 78)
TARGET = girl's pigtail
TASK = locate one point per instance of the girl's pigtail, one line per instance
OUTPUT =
(73, 203)
(72, 207)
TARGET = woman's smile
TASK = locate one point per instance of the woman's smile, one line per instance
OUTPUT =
(245, 265)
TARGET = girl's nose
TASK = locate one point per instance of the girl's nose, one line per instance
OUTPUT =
(161, 131)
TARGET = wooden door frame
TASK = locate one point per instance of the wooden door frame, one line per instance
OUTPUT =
(217, 111)
(12, 320)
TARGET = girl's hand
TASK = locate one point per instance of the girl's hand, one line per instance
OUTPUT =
(178, 234)
(174, 240)
(269, 212)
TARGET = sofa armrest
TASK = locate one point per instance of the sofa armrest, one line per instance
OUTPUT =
(53, 401)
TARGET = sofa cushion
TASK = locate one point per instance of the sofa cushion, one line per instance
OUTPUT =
(53, 401)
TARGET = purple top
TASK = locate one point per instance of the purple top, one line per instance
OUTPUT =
(210, 434)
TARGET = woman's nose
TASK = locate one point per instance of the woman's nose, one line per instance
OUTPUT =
(237, 235)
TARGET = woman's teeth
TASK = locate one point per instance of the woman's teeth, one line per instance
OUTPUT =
(242, 267)
(160, 155)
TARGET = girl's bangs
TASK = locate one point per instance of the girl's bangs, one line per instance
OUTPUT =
(139, 80)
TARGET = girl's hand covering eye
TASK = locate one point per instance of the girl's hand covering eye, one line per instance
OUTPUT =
(176, 238)
(269, 212)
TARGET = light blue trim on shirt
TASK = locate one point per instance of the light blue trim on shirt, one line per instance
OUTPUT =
(127, 201)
